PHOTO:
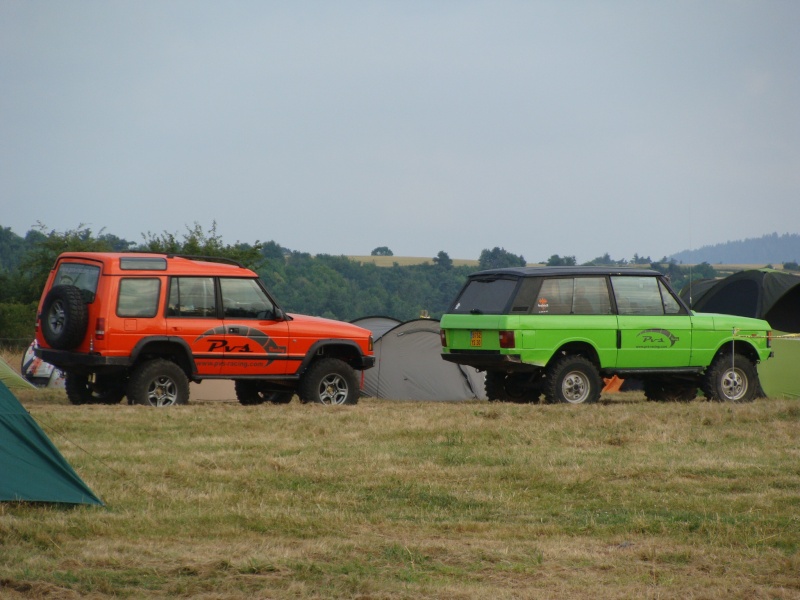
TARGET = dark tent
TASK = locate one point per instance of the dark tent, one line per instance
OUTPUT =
(409, 364)
(762, 293)
(31, 467)
(765, 294)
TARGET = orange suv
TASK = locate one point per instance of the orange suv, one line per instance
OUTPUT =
(144, 325)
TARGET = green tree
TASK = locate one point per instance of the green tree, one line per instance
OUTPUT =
(606, 260)
(382, 251)
(196, 242)
(498, 258)
(557, 261)
(40, 258)
(443, 260)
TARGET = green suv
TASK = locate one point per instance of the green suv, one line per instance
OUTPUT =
(558, 331)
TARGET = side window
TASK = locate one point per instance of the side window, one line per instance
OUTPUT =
(192, 297)
(526, 296)
(671, 305)
(555, 297)
(591, 296)
(637, 295)
(138, 297)
(244, 299)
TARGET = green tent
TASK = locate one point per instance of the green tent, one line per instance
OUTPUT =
(31, 467)
(12, 379)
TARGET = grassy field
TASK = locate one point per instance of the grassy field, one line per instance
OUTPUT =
(623, 499)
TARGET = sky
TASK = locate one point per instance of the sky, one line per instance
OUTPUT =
(543, 127)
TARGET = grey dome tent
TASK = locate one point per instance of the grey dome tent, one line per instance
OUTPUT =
(377, 325)
(31, 467)
(409, 364)
(766, 294)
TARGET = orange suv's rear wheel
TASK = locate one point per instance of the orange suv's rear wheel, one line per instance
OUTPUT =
(158, 383)
(105, 389)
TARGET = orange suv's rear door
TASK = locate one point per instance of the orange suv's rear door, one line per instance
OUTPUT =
(192, 316)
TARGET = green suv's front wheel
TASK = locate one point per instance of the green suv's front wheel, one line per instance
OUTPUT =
(731, 379)
(572, 379)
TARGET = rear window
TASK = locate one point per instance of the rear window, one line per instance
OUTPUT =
(485, 296)
(82, 276)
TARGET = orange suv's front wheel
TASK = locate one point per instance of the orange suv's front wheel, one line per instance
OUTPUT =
(329, 381)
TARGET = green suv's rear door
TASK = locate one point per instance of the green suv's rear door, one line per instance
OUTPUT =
(654, 331)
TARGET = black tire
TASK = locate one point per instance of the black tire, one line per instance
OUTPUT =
(572, 379)
(65, 317)
(158, 383)
(731, 379)
(104, 389)
(251, 392)
(329, 381)
(510, 387)
(663, 390)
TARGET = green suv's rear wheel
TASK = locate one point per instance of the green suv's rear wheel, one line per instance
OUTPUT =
(511, 387)
(158, 383)
(731, 379)
(250, 392)
(664, 390)
(572, 379)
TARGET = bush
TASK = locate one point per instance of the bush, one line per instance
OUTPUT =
(17, 324)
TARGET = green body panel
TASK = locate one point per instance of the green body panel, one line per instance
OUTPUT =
(621, 342)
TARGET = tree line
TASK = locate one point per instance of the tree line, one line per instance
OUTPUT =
(324, 285)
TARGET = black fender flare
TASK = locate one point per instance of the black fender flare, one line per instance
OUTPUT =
(147, 344)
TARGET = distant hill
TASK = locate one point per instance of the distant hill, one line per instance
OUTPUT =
(770, 249)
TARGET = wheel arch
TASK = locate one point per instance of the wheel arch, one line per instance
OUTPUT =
(739, 347)
(583, 349)
(170, 348)
(345, 350)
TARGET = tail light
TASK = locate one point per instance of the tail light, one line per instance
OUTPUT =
(507, 339)
(769, 339)
(100, 328)
(443, 337)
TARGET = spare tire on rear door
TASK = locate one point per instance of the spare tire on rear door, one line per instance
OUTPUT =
(64, 317)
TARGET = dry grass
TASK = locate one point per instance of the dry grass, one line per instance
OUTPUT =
(416, 500)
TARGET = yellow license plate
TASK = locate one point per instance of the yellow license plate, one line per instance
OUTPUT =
(476, 339)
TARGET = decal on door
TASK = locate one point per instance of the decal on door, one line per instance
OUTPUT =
(656, 338)
(217, 341)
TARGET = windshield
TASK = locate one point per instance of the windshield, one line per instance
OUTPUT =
(485, 296)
